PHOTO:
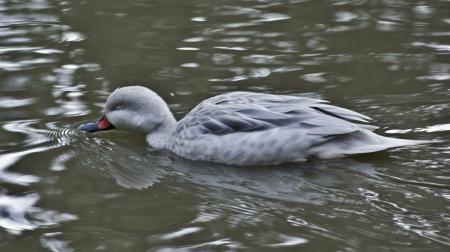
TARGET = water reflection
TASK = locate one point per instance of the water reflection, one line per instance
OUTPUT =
(19, 214)
(51, 242)
(140, 167)
(315, 184)
(32, 41)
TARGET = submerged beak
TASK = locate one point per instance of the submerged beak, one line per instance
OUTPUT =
(102, 124)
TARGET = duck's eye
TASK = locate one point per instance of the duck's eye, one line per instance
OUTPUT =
(115, 105)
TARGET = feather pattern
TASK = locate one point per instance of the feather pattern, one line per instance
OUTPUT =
(245, 128)
(249, 112)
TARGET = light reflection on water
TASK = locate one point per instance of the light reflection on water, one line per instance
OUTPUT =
(64, 190)
(19, 214)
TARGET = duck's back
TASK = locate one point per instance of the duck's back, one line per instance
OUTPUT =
(245, 128)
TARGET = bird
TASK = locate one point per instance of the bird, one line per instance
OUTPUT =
(245, 128)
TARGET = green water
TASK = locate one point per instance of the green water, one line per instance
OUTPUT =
(63, 190)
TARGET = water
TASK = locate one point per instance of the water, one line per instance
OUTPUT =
(63, 190)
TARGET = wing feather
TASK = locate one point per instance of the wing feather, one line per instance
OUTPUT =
(246, 112)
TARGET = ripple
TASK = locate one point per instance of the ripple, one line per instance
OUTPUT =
(194, 40)
(36, 141)
(72, 36)
(383, 205)
(188, 48)
(272, 17)
(18, 19)
(9, 159)
(199, 19)
(240, 25)
(25, 64)
(262, 59)
(423, 11)
(245, 74)
(8, 49)
(48, 51)
(429, 129)
(59, 163)
(50, 241)
(436, 46)
(190, 65)
(235, 40)
(222, 58)
(387, 26)
(288, 241)
(435, 128)
(181, 233)
(314, 77)
(415, 182)
(345, 16)
(226, 244)
(34, 137)
(237, 11)
(419, 225)
(298, 222)
(66, 95)
(234, 48)
(16, 212)
(10, 102)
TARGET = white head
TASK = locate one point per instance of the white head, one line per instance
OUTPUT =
(133, 108)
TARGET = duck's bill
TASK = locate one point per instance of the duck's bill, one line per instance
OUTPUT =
(102, 124)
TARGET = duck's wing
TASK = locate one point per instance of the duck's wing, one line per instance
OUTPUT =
(248, 112)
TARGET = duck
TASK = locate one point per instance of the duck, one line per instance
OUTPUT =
(245, 128)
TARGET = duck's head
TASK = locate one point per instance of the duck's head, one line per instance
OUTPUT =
(133, 108)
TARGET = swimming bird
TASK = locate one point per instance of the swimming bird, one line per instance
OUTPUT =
(245, 128)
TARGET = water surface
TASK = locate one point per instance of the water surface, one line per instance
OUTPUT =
(63, 190)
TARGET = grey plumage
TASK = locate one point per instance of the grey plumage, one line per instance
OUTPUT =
(245, 128)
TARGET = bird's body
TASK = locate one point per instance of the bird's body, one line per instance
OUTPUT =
(245, 128)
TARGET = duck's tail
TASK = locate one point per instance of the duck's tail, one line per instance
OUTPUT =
(360, 142)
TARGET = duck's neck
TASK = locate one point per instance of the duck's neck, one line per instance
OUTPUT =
(161, 136)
